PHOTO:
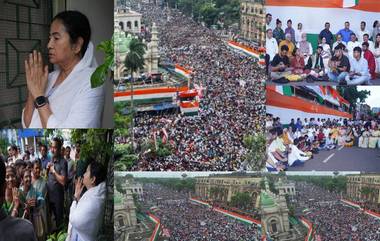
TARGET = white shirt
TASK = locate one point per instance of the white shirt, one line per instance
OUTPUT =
(296, 154)
(271, 25)
(86, 216)
(350, 47)
(360, 66)
(361, 33)
(74, 104)
(298, 35)
(271, 47)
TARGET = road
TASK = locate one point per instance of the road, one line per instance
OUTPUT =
(343, 159)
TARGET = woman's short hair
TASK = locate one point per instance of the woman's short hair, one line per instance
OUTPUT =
(77, 25)
(98, 171)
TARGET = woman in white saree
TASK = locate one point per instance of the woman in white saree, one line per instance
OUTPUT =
(86, 211)
(64, 98)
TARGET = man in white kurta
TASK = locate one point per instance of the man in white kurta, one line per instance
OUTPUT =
(74, 104)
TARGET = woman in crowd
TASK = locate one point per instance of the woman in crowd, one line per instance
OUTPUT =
(39, 184)
(326, 53)
(86, 211)
(34, 205)
(12, 205)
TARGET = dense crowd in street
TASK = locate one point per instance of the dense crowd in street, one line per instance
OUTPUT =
(186, 220)
(333, 220)
(295, 143)
(232, 106)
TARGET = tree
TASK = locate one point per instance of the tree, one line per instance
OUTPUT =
(209, 13)
(241, 200)
(134, 61)
(256, 145)
(352, 95)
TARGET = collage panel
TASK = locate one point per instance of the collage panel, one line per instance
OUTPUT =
(325, 42)
(323, 128)
(214, 206)
(194, 99)
(331, 206)
(53, 74)
(56, 184)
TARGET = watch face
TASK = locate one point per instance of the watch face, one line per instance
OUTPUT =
(40, 100)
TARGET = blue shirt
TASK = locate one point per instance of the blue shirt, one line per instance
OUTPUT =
(346, 34)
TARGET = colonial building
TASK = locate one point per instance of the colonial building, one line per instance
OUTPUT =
(252, 20)
(221, 187)
(364, 188)
(285, 187)
(134, 187)
(125, 210)
(128, 20)
(274, 216)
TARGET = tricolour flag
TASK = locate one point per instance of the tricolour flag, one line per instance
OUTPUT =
(350, 3)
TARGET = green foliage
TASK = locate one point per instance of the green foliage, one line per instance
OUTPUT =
(124, 157)
(210, 11)
(135, 57)
(178, 184)
(100, 75)
(95, 143)
(58, 236)
(3, 146)
(352, 95)
(122, 121)
(337, 184)
(241, 200)
(256, 145)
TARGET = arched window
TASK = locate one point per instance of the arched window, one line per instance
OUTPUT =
(129, 25)
(136, 24)
(121, 24)
(273, 225)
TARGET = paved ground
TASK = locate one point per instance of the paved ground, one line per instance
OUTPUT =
(343, 159)
(374, 82)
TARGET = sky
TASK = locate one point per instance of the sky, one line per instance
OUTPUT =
(374, 99)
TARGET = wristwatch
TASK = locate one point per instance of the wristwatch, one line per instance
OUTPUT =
(40, 101)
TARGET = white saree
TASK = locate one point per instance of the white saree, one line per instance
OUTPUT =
(74, 104)
(86, 216)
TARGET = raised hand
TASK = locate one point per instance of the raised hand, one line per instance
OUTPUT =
(78, 188)
(36, 74)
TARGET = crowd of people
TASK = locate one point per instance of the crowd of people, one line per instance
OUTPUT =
(347, 57)
(186, 220)
(50, 190)
(232, 105)
(332, 220)
(296, 142)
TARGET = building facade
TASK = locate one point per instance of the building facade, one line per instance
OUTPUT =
(252, 21)
(285, 187)
(128, 20)
(222, 187)
(364, 188)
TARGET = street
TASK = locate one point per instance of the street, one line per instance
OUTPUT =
(343, 159)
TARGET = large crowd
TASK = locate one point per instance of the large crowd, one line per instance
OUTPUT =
(297, 142)
(49, 188)
(347, 57)
(333, 220)
(186, 220)
(232, 106)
